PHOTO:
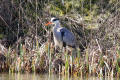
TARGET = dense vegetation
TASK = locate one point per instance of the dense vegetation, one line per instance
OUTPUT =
(26, 45)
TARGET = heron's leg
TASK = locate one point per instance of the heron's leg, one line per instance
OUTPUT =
(64, 49)
(61, 48)
(74, 52)
(55, 48)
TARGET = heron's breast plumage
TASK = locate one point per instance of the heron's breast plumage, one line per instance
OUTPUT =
(57, 36)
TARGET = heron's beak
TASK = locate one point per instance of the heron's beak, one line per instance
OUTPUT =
(48, 23)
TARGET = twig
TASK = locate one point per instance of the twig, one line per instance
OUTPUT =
(99, 46)
(4, 21)
(6, 24)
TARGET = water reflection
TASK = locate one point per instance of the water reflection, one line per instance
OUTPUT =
(45, 77)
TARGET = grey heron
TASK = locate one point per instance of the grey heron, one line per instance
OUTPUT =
(62, 36)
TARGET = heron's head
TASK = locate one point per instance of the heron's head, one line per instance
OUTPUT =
(53, 21)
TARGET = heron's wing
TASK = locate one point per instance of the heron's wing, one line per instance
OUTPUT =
(67, 37)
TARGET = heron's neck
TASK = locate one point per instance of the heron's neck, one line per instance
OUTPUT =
(57, 25)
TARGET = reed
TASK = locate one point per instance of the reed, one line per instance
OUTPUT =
(66, 64)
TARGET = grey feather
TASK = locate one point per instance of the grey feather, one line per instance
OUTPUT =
(68, 37)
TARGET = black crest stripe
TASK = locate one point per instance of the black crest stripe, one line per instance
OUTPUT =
(55, 19)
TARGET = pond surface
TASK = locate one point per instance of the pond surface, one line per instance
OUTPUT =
(5, 76)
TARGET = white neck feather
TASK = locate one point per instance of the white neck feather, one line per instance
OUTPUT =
(57, 24)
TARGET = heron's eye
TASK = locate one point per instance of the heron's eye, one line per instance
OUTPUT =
(55, 20)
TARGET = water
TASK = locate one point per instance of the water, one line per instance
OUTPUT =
(18, 76)
(6, 76)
